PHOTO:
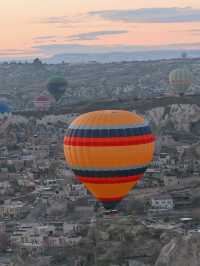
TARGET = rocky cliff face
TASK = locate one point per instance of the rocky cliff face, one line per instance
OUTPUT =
(177, 117)
(171, 124)
(180, 117)
(182, 251)
(176, 123)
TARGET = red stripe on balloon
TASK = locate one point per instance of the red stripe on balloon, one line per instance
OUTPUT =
(113, 141)
(109, 180)
(110, 199)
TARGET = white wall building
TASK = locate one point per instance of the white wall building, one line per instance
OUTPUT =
(162, 202)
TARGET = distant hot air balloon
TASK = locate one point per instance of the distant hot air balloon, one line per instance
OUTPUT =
(180, 80)
(43, 102)
(184, 55)
(109, 151)
(57, 86)
(5, 112)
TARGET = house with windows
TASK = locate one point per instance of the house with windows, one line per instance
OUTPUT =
(162, 202)
(12, 209)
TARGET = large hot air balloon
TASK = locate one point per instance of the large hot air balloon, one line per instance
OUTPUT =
(109, 152)
(43, 102)
(5, 113)
(180, 80)
(57, 86)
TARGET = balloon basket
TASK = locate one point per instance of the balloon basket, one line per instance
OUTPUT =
(111, 212)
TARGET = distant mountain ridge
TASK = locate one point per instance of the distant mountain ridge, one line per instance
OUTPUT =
(119, 56)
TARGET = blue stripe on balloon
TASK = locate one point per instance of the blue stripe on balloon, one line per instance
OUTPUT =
(99, 133)
(109, 173)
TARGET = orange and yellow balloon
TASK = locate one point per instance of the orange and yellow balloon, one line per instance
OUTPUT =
(109, 152)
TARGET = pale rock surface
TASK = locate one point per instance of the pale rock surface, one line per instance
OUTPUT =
(181, 251)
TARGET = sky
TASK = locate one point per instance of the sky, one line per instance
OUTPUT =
(36, 28)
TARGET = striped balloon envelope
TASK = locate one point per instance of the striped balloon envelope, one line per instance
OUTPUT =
(180, 79)
(109, 151)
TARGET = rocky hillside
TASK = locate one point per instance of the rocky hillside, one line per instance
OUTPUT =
(181, 117)
(181, 251)
(22, 82)
(182, 121)
(134, 244)
(171, 124)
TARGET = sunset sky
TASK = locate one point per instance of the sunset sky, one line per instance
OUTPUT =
(48, 27)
